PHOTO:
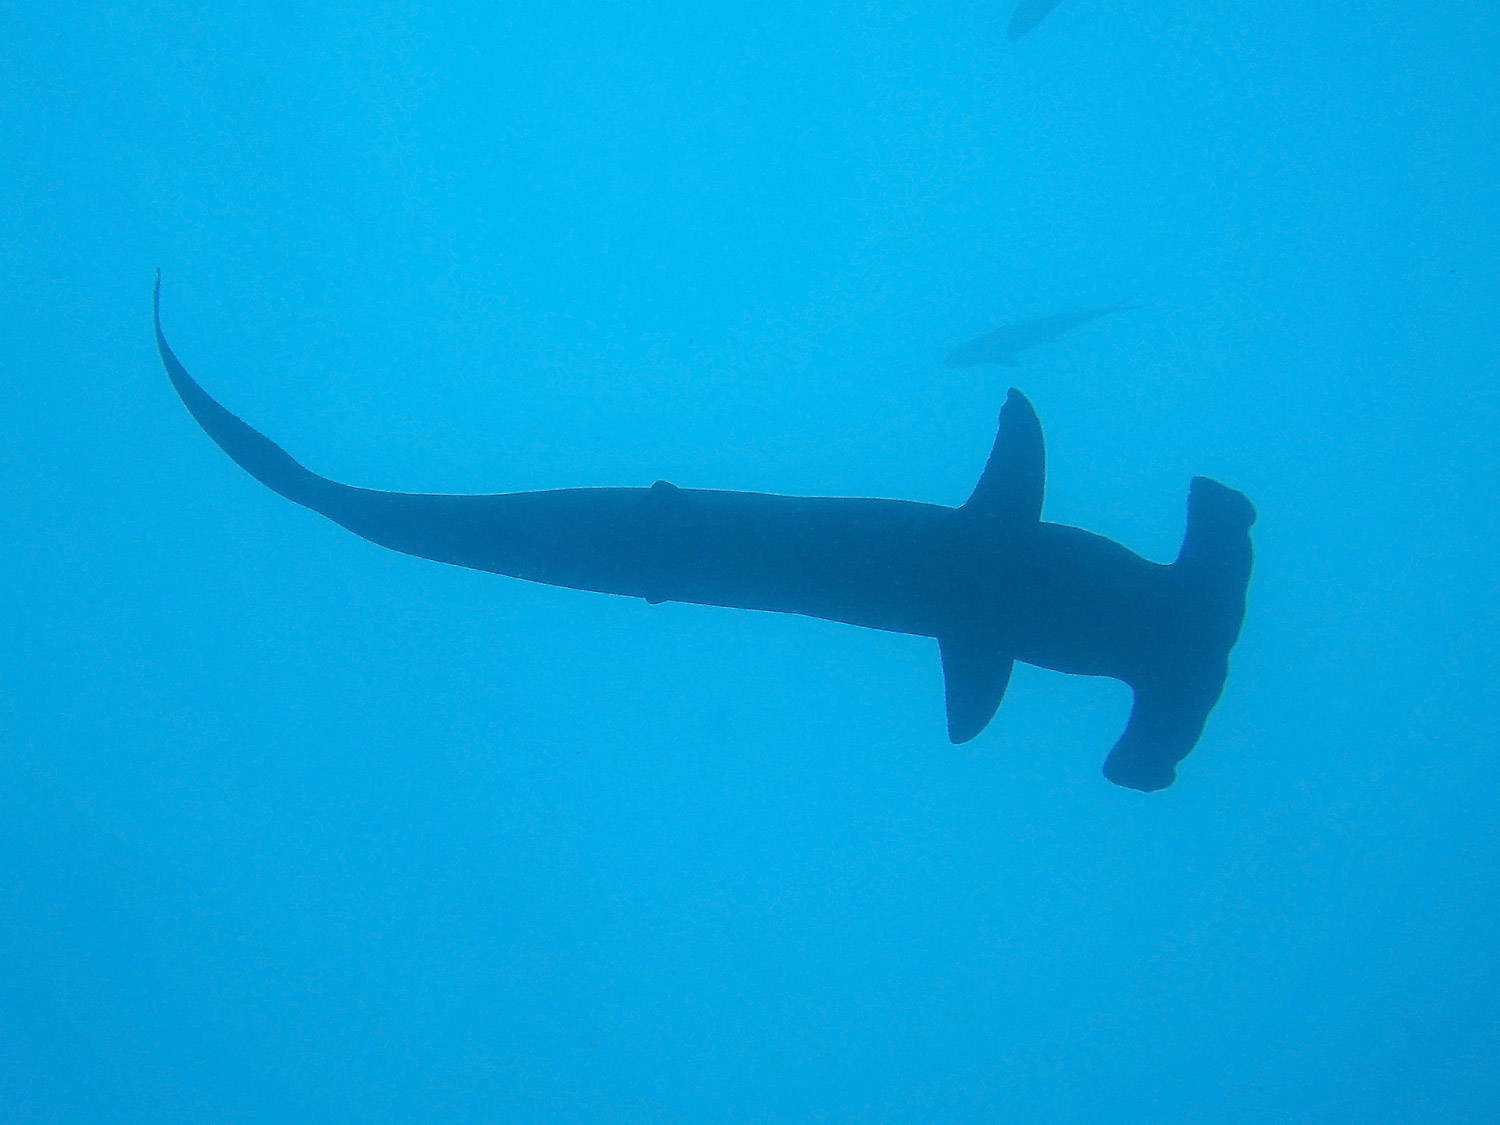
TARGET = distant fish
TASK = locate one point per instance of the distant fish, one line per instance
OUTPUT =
(1001, 345)
(1027, 15)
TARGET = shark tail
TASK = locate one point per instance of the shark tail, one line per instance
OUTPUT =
(251, 450)
(413, 523)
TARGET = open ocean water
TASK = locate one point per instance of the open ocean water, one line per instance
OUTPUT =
(294, 828)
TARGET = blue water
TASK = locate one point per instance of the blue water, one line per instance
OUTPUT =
(296, 829)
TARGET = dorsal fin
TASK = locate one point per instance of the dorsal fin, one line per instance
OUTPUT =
(1011, 486)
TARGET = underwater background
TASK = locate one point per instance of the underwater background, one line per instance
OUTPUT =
(293, 828)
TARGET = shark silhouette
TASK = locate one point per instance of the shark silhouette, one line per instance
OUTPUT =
(1001, 345)
(989, 580)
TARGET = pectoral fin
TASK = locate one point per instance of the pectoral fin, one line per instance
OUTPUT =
(974, 675)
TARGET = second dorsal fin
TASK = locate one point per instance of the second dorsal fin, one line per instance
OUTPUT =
(1011, 487)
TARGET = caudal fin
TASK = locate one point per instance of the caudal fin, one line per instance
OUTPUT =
(251, 450)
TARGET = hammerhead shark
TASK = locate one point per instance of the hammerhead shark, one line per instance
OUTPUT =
(1001, 345)
(989, 580)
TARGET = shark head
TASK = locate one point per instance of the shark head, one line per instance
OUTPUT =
(1219, 509)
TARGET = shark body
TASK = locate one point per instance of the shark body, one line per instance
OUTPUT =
(1001, 345)
(989, 580)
